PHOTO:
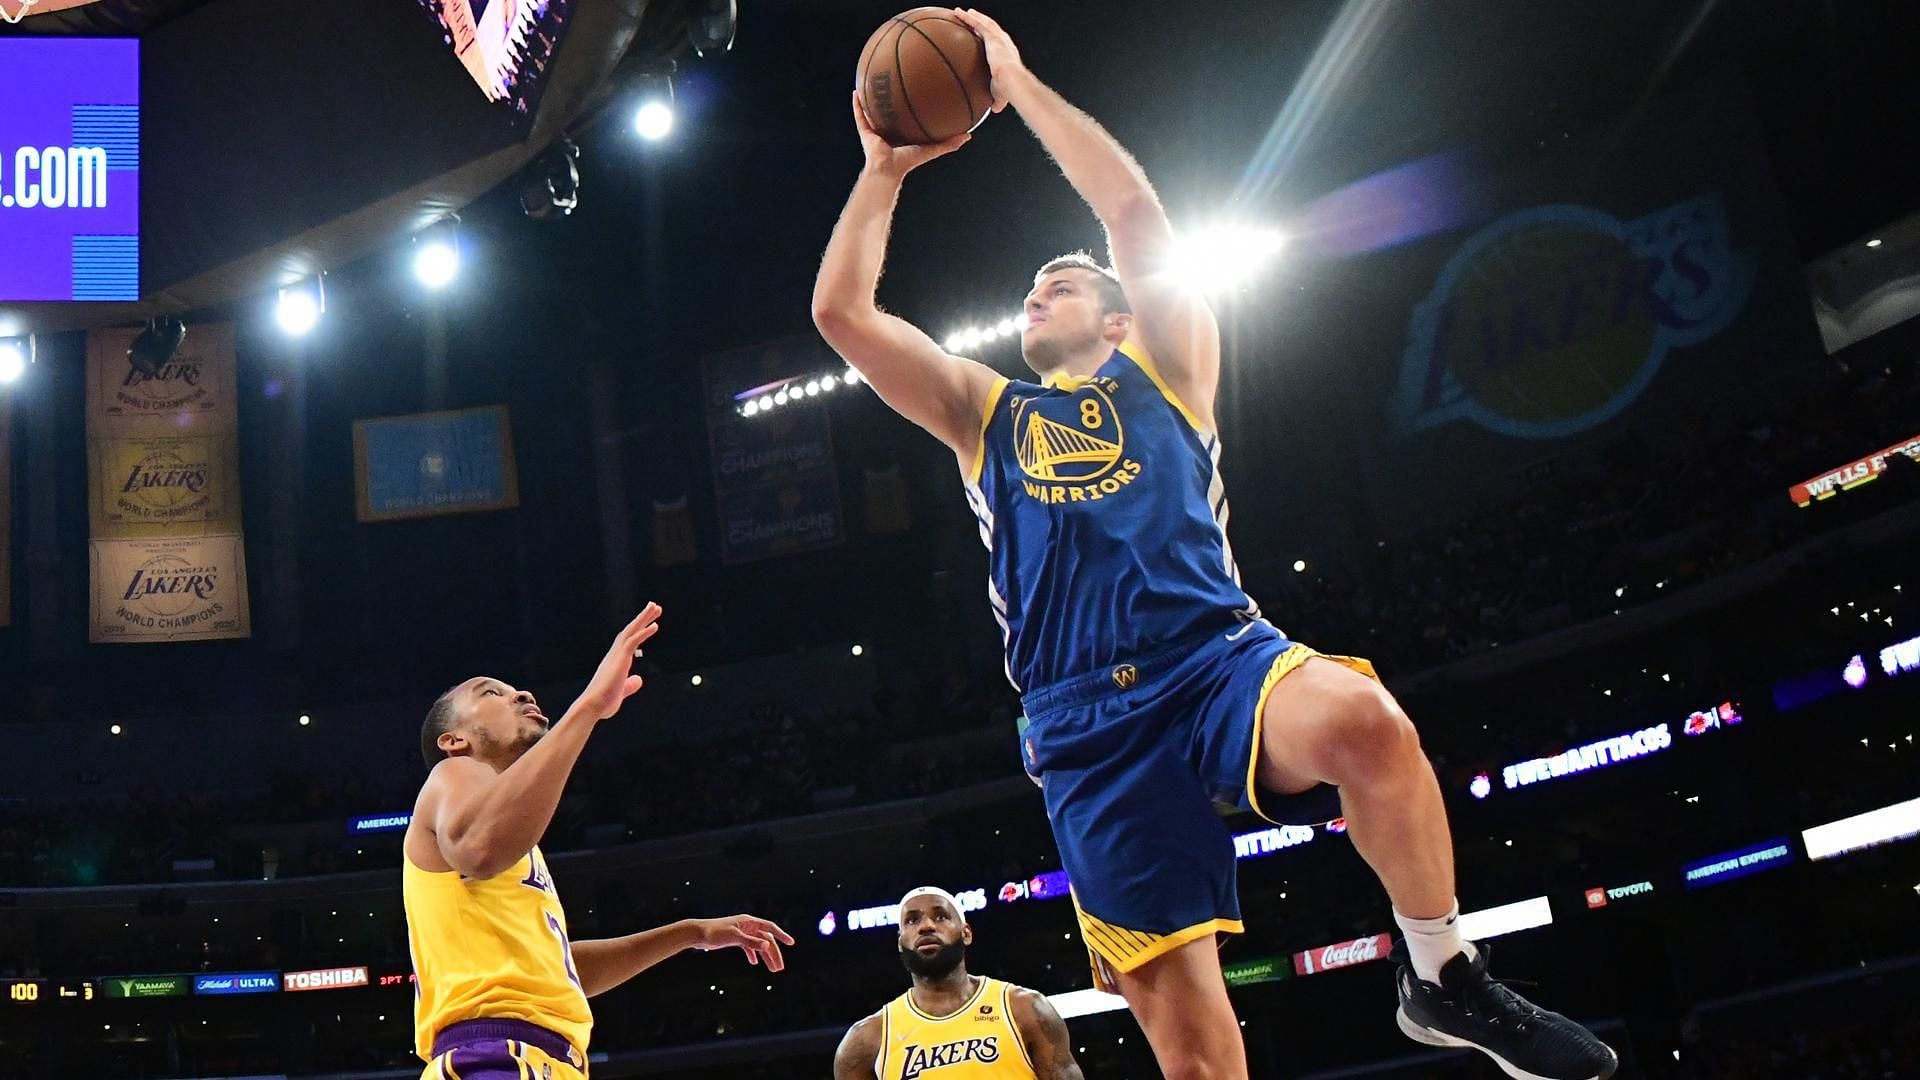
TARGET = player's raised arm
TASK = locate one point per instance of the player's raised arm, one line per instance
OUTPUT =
(1171, 321)
(1045, 1034)
(483, 821)
(858, 1051)
(910, 372)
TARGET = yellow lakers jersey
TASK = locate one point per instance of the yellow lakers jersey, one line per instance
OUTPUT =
(492, 949)
(977, 1042)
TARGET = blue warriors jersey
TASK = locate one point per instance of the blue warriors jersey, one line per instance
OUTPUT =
(1100, 501)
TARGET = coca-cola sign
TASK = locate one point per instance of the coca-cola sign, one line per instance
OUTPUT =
(1343, 954)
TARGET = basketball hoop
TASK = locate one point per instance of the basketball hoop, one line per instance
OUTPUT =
(14, 19)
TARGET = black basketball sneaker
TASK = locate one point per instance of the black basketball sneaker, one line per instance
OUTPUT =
(1468, 1009)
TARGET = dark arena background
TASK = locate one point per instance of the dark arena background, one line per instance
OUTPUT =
(496, 326)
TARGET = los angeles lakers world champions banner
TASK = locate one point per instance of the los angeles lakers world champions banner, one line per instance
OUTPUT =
(167, 558)
(189, 589)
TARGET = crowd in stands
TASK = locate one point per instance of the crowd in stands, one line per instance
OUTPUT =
(1860, 1029)
(915, 737)
(792, 761)
(1583, 539)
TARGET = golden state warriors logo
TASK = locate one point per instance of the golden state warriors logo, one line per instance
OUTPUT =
(1071, 446)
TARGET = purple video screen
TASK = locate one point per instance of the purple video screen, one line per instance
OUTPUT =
(69, 169)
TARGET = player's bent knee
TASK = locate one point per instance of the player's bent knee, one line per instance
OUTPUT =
(1371, 732)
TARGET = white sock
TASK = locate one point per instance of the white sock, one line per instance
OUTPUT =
(1433, 942)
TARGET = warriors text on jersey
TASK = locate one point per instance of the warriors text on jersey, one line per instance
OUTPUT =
(492, 949)
(1100, 501)
(977, 1042)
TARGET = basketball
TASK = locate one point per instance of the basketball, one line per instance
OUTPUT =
(923, 78)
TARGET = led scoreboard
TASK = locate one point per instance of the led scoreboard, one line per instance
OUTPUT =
(34, 991)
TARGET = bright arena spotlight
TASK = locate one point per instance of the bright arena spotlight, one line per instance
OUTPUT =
(985, 333)
(301, 306)
(653, 118)
(1220, 258)
(760, 400)
(436, 255)
(13, 361)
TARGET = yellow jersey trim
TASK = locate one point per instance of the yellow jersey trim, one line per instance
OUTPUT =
(1283, 665)
(986, 419)
(915, 1009)
(1126, 950)
(1137, 353)
(1013, 1023)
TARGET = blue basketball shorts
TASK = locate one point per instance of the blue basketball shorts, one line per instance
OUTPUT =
(1135, 761)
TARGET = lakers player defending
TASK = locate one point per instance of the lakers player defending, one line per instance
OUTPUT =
(952, 1025)
(1153, 686)
(501, 991)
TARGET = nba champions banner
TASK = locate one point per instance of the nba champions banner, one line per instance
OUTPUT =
(189, 589)
(775, 482)
(1641, 276)
(163, 465)
(434, 463)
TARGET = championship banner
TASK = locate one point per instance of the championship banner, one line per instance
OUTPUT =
(775, 480)
(192, 394)
(163, 491)
(164, 485)
(434, 463)
(184, 589)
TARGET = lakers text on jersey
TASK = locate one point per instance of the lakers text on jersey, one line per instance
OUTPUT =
(977, 1042)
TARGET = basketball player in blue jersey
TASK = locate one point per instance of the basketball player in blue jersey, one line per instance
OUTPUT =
(501, 991)
(1153, 686)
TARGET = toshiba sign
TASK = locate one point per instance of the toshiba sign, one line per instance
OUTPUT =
(324, 979)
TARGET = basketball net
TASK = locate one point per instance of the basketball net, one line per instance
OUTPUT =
(24, 7)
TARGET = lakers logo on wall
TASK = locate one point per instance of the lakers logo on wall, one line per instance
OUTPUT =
(1077, 439)
(1554, 319)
